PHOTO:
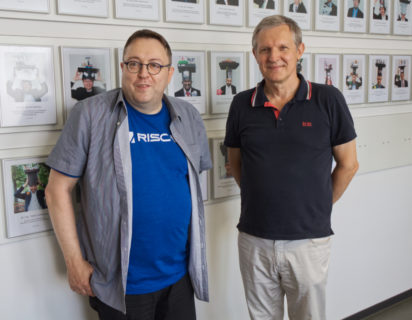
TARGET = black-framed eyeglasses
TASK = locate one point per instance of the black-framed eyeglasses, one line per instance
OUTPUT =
(153, 68)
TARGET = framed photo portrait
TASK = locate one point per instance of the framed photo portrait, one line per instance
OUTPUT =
(402, 18)
(224, 185)
(255, 76)
(327, 68)
(380, 16)
(27, 92)
(353, 78)
(327, 13)
(354, 17)
(137, 9)
(25, 5)
(86, 72)
(227, 74)
(300, 11)
(401, 78)
(188, 11)
(259, 9)
(304, 66)
(24, 183)
(226, 12)
(379, 71)
(189, 78)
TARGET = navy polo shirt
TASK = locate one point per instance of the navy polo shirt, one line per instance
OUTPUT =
(286, 184)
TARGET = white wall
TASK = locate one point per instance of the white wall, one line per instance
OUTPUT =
(371, 258)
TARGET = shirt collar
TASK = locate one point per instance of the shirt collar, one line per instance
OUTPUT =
(303, 93)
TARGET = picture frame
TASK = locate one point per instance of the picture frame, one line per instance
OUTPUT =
(90, 8)
(226, 12)
(86, 72)
(255, 76)
(227, 71)
(354, 78)
(182, 11)
(189, 78)
(401, 78)
(380, 16)
(402, 17)
(27, 86)
(379, 73)
(224, 185)
(259, 9)
(41, 6)
(300, 11)
(137, 9)
(327, 67)
(24, 181)
(327, 15)
(354, 16)
(304, 66)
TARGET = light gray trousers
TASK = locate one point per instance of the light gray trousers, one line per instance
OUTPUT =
(272, 269)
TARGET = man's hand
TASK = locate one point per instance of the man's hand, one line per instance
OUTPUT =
(78, 274)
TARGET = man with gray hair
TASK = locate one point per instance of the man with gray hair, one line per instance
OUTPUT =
(281, 138)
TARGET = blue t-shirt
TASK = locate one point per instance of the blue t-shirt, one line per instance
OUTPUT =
(161, 204)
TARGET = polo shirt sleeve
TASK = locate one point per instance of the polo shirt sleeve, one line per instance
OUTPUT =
(232, 138)
(69, 156)
(343, 129)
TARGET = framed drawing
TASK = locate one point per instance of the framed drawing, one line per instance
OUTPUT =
(86, 72)
(25, 5)
(226, 12)
(378, 78)
(227, 74)
(300, 11)
(27, 93)
(259, 9)
(137, 9)
(187, 11)
(327, 13)
(24, 183)
(189, 79)
(327, 68)
(401, 78)
(90, 8)
(353, 78)
(224, 185)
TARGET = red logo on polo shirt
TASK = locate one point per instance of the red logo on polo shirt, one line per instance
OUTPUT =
(306, 124)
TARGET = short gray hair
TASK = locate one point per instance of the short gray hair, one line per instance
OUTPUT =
(275, 21)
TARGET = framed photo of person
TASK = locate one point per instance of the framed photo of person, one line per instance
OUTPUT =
(327, 13)
(24, 182)
(259, 9)
(189, 79)
(86, 72)
(327, 68)
(188, 11)
(90, 8)
(401, 78)
(354, 17)
(137, 9)
(353, 78)
(379, 72)
(226, 12)
(255, 76)
(304, 66)
(380, 16)
(27, 92)
(227, 78)
(402, 18)
(300, 11)
(25, 5)
(224, 185)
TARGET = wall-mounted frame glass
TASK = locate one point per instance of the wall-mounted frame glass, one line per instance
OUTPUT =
(327, 15)
(25, 5)
(379, 73)
(300, 11)
(90, 8)
(137, 9)
(327, 69)
(226, 12)
(187, 11)
(401, 78)
(354, 16)
(259, 9)
(353, 78)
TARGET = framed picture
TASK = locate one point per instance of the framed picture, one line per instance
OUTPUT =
(300, 11)
(189, 79)
(354, 17)
(204, 185)
(327, 13)
(304, 66)
(118, 68)
(227, 74)
(259, 9)
(27, 93)
(226, 12)
(402, 17)
(86, 72)
(380, 16)
(25, 5)
(24, 182)
(90, 8)
(137, 9)
(401, 78)
(379, 71)
(255, 76)
(327, 69)
(188, 11)
(224, 185)
(353, 78)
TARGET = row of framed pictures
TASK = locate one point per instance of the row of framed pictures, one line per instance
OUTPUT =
(25, 180)
(325, 13)
(28, 97)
